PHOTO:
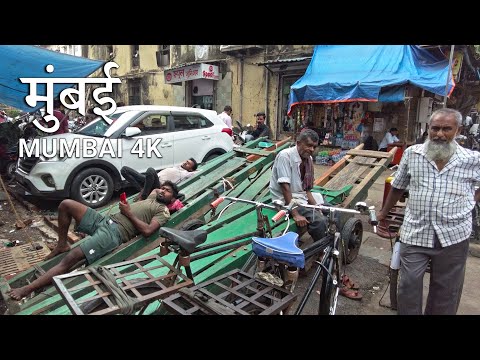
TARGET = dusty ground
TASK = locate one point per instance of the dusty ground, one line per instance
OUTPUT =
(11, 234)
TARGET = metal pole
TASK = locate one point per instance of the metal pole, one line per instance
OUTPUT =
(448, 76)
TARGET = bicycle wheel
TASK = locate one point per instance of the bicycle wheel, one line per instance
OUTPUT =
(327, 292)
(352, 234)
(393, 288)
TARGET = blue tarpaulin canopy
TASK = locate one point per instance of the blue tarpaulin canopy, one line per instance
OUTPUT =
(339, 73)
(26, 61)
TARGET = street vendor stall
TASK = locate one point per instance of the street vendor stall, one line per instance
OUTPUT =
(344, 87)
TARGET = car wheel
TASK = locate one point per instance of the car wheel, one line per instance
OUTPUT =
(92, 187)
(210, 157)
(10, 170)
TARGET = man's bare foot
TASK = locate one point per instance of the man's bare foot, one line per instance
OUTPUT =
(20, 293)
(56, 251)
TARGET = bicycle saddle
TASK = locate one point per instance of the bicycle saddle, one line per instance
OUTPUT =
(187, 240)
(282, 248)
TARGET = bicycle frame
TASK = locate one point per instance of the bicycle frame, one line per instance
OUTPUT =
(332, 245)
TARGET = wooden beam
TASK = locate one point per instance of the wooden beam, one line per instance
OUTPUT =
(369, 153)
(360, 191)
(322, 180)
(252, 151)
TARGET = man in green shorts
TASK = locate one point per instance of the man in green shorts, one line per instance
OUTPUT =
(106, 232)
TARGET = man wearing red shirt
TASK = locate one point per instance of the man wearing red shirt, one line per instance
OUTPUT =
(61, 116)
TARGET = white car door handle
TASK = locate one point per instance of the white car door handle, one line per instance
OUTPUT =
(206, 137)
(166, 145)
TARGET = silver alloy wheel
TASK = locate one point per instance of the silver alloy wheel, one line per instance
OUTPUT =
(93, 189)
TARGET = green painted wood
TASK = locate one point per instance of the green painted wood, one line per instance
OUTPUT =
(261, 166)
(52, 300)
(205, 181)
(252, 151)
(230, 228)
(21, 278)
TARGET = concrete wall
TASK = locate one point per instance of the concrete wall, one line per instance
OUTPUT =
(154, 89)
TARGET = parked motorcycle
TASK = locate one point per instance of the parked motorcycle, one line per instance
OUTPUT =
(9, 162)
(239, 133)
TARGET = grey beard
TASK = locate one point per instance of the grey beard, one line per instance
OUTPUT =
(440, 151)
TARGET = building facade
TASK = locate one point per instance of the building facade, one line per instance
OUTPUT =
(253, 78)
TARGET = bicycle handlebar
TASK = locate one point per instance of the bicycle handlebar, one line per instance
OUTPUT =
(284, 210)
(362, 209)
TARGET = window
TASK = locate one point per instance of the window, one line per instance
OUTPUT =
(163, 55)
(153, 124)
(134, 92)
(109, 51)
(191, 122)
(135, 55)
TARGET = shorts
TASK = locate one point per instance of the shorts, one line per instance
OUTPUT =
(104, 235)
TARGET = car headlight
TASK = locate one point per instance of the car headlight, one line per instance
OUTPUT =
(54, 158)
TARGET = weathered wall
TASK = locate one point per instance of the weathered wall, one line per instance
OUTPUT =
(154, 89)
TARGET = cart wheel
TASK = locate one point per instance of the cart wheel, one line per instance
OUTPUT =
(352, 233)
(192, 224)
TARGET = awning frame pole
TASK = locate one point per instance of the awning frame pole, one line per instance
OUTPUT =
(448, 76)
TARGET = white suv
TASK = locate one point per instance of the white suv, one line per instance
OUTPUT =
(140, 137)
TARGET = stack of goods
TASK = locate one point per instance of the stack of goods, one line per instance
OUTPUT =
(329, 156)
(349, 142)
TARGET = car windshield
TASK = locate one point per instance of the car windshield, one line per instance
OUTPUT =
(100, 127)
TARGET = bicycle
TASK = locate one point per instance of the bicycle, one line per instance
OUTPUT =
(278, 260)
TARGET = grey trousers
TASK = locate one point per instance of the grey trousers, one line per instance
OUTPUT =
(318, 223)
(446, 278)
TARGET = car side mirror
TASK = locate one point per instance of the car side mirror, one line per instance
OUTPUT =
(132, 131)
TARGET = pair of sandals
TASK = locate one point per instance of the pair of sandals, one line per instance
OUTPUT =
(350, 289)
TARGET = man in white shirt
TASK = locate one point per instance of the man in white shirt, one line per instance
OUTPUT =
(390, 138)
(226, 115)
(145, 184)
(293, 177)
(441, 176)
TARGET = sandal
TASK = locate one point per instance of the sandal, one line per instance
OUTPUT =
(351, 294)
(348, 283)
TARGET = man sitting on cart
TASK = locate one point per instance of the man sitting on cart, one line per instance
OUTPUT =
(292, 178)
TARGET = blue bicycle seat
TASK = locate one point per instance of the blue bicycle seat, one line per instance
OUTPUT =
(283, 248)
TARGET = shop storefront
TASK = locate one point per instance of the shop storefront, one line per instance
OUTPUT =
(286, 72)
(200, 83)
(350, 92)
